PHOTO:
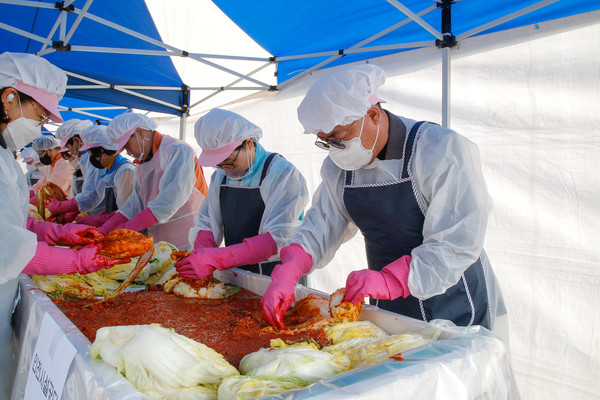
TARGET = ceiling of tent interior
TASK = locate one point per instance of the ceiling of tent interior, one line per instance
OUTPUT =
(151, 55)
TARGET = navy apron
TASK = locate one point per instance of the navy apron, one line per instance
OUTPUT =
(242, 209)
(393, 228)
(110, 200)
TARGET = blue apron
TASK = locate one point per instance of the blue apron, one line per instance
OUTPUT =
(394, 228)
(242, 209)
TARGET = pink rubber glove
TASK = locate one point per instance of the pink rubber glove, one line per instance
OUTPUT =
(203, 262)
(114, 221)
(280, 293)
(388, 284)
(204, 239)
(70, 217)
(94, 220)
(143, 220)
(50, 260)
(63, 235)
(57, 207)
(32, 198)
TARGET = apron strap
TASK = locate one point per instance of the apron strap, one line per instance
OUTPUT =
(266, 166)
(410, 141)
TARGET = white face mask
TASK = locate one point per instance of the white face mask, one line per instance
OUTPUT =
(142, 146)
(21, 131)
(236, 175)
(354, 156)
(74, 162)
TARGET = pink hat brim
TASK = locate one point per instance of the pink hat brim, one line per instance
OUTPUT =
(123, 139)
(46, 100)
(63, 150)
(210, 158)
(88, 146)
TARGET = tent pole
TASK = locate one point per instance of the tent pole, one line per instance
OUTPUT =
(182, 126)
(446, 70)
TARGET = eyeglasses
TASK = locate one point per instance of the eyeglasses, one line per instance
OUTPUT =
(43, 118)
(335, 143)
(232, 163)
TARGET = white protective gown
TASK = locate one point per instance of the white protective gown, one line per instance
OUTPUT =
(17, 248)
(455, 213)
(92, 192)
(283, 191)
(165, 184)
(61, 174)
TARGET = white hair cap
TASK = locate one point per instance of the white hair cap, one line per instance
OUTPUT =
(70, 128)
(44, 143)
(36, 77)
(122, 127)
(340, 97)
(95, 136)
(219, 132)
(28, 154)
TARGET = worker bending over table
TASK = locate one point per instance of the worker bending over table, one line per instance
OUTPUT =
(115, 172)
(416, 192)
(58, 170)
(169, 185)
(255, 200)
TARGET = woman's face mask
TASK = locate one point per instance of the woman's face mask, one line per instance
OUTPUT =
(354, 156)
(46, 159)
(21, 131)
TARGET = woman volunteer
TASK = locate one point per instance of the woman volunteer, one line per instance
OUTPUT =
(255, 200)
(30, 88)
(169, 185)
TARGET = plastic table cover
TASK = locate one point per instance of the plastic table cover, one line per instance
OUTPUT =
(464, 363)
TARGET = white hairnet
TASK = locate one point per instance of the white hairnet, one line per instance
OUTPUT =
(44, 143)
(36, 77)
(29, 154)
(95, 136)
(125, 124)
(70, 128)
(340, 97)
(219, 132)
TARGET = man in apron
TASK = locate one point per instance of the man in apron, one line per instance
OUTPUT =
(168, 187)
(416, 192)
(115, 172)
(254, 202)
(89, 198)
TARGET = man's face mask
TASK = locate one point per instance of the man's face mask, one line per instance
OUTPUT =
(353, 156)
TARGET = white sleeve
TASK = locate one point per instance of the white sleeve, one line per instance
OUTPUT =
(176, 184)
(124, 178)
(209, 216)
(17, 244)
(285, 195)
(92, 191)
(326, 225)
(134, 205)
(447, 171)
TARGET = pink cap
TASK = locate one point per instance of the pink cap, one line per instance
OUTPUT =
(64, 149)
(210, 158)
(46, 100)
(374, 99)
(88, 146)
(123, 139)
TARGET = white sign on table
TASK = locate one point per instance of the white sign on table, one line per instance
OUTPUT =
(50, 362)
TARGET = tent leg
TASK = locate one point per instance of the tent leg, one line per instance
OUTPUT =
(446, 71)
(182, 125)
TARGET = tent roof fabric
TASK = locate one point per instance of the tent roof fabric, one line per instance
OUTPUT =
(313, 26)
(117, 56)
(107, 67)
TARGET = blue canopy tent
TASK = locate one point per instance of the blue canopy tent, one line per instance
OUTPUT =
(114, 54)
